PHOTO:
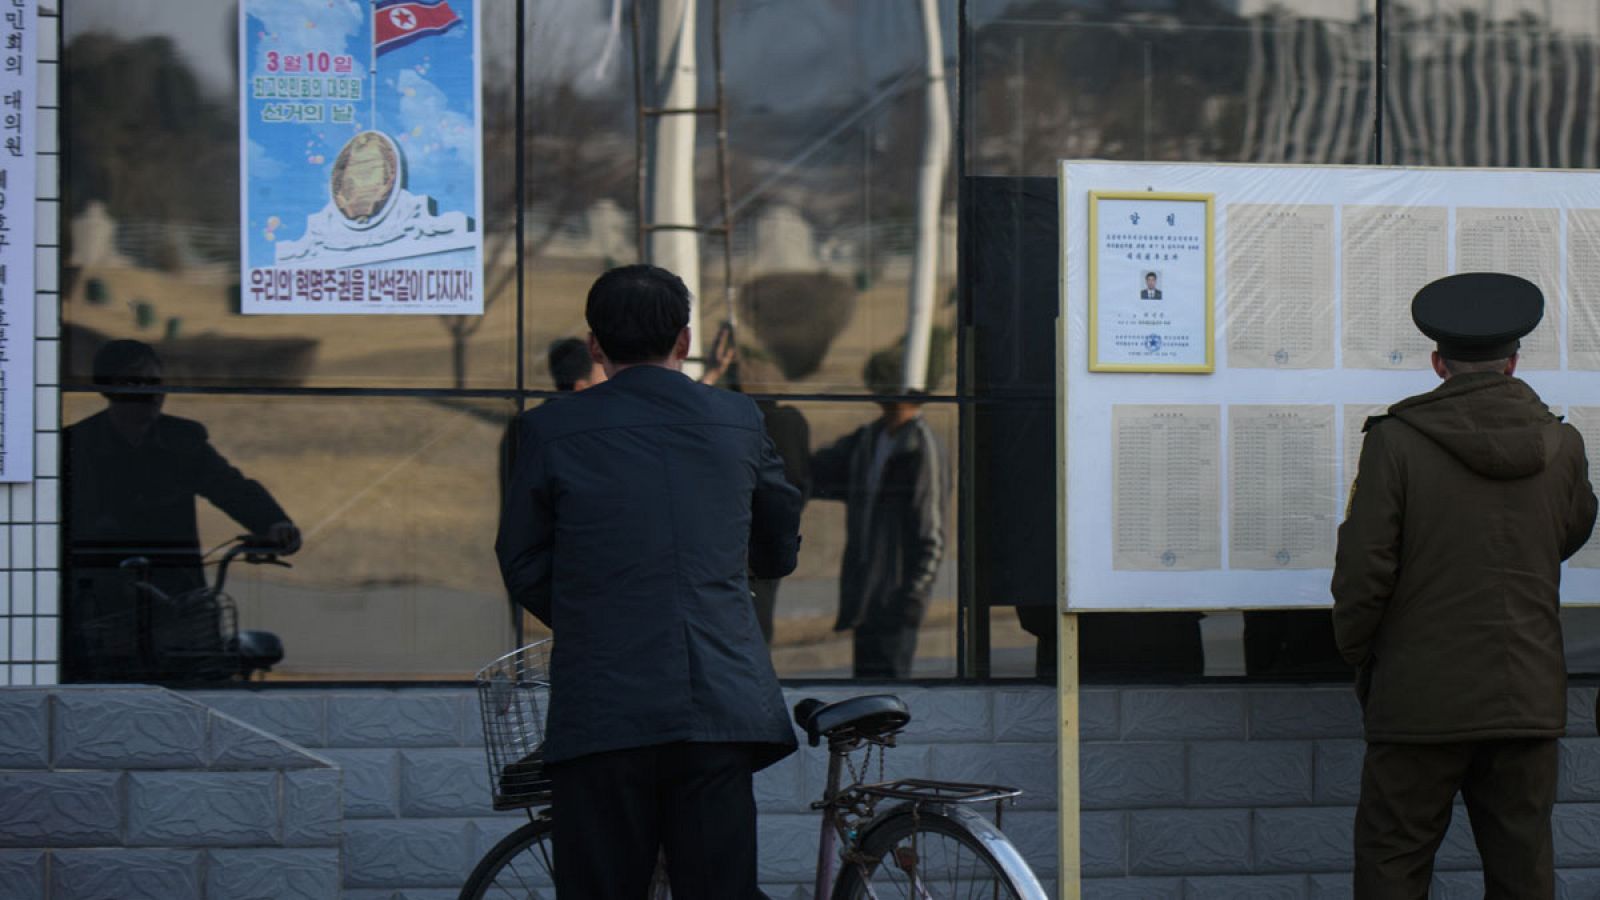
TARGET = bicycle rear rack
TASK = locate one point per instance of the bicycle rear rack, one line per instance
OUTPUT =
(924, 791)
(921, 790)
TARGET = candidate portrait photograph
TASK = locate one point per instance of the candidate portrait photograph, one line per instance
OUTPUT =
(1150, 291)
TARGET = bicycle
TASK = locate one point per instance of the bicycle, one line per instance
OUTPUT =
(190, 636)
(909, 838)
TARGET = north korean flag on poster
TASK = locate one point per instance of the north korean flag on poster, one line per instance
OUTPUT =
(400, 22)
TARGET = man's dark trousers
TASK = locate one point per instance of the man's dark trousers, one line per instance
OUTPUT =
(1406, 793)
(693, 800)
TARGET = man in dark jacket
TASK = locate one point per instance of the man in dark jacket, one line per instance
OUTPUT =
(133, 475)
(891, 478)
(1446, 592)
(635, 510)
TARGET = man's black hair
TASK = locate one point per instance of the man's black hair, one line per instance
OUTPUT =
(636, 312)
(1149, 274)
(569, 361)
(119, 362)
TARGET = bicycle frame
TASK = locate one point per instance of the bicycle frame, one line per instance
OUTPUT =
(849, 813)
(832, 825)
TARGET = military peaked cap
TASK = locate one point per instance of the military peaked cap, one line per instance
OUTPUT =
(1477, 316)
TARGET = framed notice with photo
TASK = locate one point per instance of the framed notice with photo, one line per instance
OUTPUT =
(1151, 302)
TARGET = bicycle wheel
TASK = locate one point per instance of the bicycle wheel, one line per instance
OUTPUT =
(937, 853)
(518, 867)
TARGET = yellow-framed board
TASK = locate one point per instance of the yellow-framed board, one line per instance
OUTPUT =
(1151, 285)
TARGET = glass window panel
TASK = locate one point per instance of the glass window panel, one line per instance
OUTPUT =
(1482, 83)
(1580, 628)
(1014, 650)
(1243, 82)
(802, 609)
(396, 499)
(1248, 82)
(826, 122)
(1117, 647)
(807, 604)
(150, 122)
(579, 166)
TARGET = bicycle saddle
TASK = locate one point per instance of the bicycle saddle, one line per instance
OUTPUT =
(872, 716)
(257, 650)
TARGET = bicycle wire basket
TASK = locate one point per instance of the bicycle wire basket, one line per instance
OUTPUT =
(513, 694)
(160, 638)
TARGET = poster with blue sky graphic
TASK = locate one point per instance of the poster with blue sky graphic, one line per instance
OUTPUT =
(361, 157)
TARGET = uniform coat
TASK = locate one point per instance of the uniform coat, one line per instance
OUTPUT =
(1447, 580)
(636, 508)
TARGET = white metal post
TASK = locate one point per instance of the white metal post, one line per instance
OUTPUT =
(930, 198)
(672, 164)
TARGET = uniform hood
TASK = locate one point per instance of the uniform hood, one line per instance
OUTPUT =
(1495, 424)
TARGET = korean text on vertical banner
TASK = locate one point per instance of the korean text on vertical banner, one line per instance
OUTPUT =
(19, 80)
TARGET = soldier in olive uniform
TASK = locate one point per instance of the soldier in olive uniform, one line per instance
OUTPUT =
(1446, 596)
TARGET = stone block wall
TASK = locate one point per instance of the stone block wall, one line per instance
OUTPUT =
(1189, 792)
(1236, 793)
(142, 794)
(1228, 792)
(416, 787)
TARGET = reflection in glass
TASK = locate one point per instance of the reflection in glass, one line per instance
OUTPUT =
(827, 114)
(790, 434)
(893, 477)
(133, 542)
(151, 189)
(807, 641)
(1062, 79)
(396, 501)
(1479, 83)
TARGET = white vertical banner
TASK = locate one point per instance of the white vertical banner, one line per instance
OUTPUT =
(19, 123)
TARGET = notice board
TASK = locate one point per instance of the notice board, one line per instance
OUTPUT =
(1224, 488)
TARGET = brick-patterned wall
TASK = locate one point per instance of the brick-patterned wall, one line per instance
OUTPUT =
(1237, 793)
(29, 513)
(1199, 793)
(416, 795)
(140, 792)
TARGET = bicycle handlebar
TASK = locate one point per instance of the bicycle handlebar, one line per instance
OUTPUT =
(256, 549)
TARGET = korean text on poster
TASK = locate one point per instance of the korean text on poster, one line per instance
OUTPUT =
(361, 157)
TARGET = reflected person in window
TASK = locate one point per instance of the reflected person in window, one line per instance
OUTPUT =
(891, 476)
(571, 366)
(133, 474)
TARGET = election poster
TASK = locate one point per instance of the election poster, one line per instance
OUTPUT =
(1150, 289)
(361, 129)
